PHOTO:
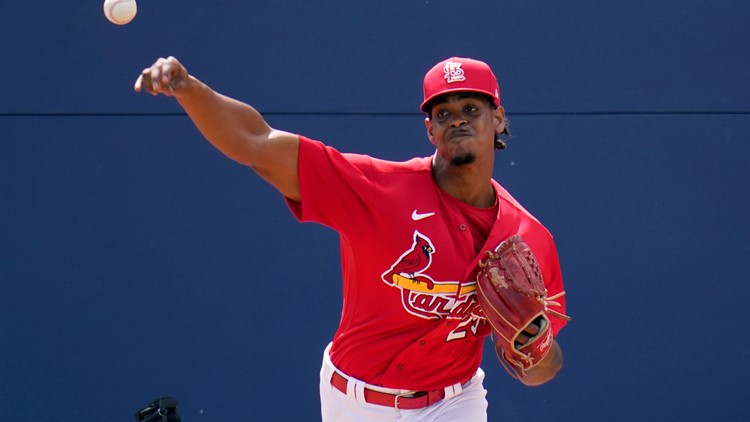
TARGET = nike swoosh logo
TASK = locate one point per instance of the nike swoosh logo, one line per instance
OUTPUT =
(417, 216)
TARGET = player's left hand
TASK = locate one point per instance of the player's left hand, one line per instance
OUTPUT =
(514, 299)
(527, 334)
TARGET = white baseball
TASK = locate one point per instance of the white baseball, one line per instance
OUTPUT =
(120, 12)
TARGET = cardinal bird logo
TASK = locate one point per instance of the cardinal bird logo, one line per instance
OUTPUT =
(424, 296)
(413, 262)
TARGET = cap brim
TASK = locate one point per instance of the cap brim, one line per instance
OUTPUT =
(426, 102)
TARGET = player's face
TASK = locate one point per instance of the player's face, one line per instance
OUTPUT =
(463, 126)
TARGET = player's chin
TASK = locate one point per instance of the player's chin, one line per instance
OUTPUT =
(463, 159)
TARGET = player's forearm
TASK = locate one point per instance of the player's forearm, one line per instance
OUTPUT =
(547, 369)
(233, 127)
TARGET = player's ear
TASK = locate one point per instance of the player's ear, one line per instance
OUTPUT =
(428, 126)
(498, 118)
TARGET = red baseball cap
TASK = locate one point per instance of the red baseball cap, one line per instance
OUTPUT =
(460, 74)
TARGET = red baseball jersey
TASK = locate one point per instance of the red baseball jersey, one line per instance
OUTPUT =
(409, 254)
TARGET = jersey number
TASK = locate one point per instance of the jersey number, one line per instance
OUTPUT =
(460, 331)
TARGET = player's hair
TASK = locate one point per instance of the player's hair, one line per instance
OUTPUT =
(505, 134)
(502, 136)
(499, 137)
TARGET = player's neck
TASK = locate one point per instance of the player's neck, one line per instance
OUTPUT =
(469, 184)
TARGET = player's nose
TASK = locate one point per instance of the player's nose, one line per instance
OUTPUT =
(458, 122)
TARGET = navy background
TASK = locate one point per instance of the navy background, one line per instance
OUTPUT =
(136, 261)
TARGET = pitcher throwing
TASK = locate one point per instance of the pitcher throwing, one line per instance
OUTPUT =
(412, 235)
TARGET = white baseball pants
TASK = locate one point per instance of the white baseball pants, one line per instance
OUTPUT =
(462, 404)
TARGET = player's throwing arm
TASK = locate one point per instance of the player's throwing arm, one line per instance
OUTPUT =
(233, 127)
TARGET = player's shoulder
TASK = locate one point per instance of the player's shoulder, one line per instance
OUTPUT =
(414, 165)
(392, 175)
(536, 234)
(505, 196)
(364, 161)
(508, 200)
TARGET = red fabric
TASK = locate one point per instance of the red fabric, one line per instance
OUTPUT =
(402, 335)
(459, 74)
(418, 400)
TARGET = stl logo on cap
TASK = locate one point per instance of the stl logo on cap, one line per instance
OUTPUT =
(453, 72)
(468, 74)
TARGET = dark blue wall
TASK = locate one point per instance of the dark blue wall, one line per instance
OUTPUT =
(136, 261)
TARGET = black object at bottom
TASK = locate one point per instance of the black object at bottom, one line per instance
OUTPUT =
(161, 410)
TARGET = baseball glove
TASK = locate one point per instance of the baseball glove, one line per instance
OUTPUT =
(512, 295)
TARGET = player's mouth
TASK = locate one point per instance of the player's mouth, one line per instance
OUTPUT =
(459, 135)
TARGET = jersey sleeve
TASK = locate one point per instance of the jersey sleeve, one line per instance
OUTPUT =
(335, 188)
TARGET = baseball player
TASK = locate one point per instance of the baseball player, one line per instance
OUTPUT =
(412, 234)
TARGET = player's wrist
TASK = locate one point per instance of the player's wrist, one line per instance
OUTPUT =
(191, 92)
